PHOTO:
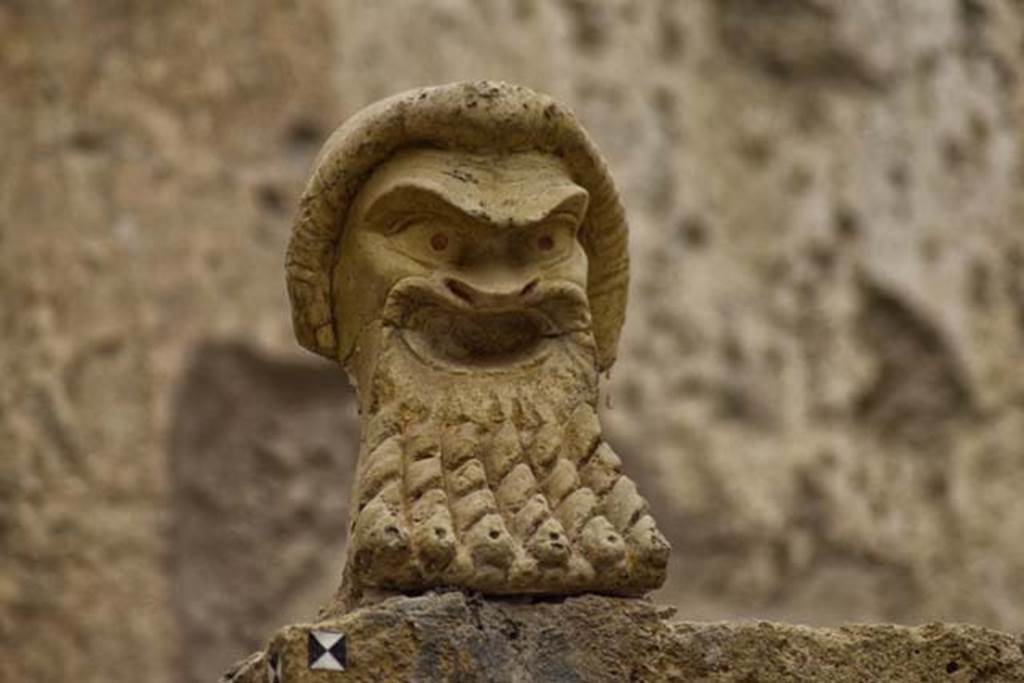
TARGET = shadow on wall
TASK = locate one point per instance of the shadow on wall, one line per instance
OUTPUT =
(262, 453)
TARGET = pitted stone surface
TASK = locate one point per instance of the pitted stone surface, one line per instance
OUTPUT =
(818, 386)
(452, 637)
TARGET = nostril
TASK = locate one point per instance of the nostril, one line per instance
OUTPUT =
(458, 289)
(532, 285)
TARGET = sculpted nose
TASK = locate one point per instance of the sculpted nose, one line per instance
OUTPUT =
(490, 295)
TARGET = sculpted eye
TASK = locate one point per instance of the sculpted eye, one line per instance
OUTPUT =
(439, 241)
(545, 243)
(426, 238)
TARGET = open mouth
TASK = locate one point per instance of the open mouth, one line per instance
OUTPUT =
(477, 338)
(443, 328)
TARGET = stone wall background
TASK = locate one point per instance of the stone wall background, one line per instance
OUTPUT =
(821, 383)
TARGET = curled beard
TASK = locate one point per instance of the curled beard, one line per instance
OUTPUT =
(493, 478)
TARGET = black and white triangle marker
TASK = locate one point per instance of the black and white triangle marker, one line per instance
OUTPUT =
(273, 668)
(327, 650)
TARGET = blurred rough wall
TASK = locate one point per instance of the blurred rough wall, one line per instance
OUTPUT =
(821, 385)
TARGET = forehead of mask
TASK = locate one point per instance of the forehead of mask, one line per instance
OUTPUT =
(510, 189)
(484, 194)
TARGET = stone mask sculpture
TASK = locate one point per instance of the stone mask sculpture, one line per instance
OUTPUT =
(461, 252)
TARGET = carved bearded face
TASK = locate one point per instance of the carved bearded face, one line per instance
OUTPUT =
(463, 284)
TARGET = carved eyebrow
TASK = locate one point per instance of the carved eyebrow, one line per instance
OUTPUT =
(407, 201)
(574, 206)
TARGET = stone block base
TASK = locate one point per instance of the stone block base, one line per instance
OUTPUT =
(455, 637)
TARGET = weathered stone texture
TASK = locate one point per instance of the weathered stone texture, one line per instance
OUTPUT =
(151, 156)
(819, 385)
(449, 637)
(257, 493)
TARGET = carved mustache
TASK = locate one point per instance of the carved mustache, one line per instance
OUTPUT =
(554, 307)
